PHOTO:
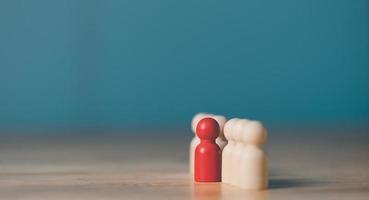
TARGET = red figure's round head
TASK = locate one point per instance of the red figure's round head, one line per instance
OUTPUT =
(207, 129)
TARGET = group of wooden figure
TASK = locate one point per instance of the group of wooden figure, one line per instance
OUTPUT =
(228, 151)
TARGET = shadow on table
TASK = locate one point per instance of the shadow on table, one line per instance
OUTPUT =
(279, 183)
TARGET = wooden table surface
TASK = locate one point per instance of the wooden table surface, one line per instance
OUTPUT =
(305, 163)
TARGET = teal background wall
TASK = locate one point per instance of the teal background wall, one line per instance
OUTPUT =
(122, 63)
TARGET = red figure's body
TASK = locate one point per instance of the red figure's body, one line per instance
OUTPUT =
(207, 154)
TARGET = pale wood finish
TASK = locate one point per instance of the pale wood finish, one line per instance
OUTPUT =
(305, 164)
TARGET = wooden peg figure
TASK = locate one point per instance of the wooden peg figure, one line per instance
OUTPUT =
(207, 153)
(253, 170)
(221, 140)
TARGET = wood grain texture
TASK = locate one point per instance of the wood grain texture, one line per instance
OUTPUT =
(307, 163)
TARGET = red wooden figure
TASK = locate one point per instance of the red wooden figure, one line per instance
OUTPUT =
(207, 154)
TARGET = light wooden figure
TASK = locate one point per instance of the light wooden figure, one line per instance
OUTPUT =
(253, 165)
(221, 140)
(237, 131)
(228, 149)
